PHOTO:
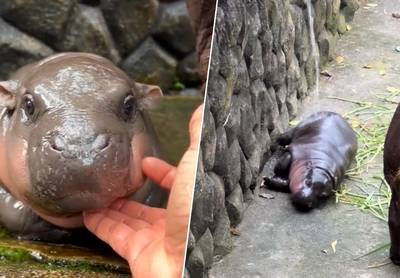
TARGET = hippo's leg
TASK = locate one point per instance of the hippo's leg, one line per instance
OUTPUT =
(285, 138)
(21, 220)
(394, 228)
(280, 181)
(282, 140)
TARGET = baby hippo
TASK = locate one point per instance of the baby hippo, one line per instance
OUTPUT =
(73, 132)
(318, 152)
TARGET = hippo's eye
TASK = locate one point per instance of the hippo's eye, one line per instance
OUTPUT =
(128, 107)
(29, 105)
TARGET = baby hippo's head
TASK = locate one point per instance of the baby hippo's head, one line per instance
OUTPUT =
(73, 133)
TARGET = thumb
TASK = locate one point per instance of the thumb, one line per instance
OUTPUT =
(180, 200)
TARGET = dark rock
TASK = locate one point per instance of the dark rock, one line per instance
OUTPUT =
(219, 197)
(341, 24)
(18, 49)
(232, 122)
(191, 242)
(349, 7)
(235, 206)
(174, 29)
(320, 9)
(221, 166)
(40, 18)
(332, 15)
(246, 175)
(151, 64)
(232, 177)
(93, 3)
(206, 244)
(242, 81)
(246, 136)
(208, 140)
(293, 77)
(196, 264)
(87, 32)
(223, 243)
(272, 109)
(202, 211)
(216, 96)
(129, 21)
(326, 42)
(188, 70)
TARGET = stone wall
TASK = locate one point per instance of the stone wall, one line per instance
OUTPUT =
(262, 67)
(152, 41)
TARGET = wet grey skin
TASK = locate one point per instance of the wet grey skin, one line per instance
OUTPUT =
(73, 132)
(317, 154)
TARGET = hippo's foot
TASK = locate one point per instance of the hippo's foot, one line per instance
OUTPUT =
(23, 222)
(395, 255)
(394, 229)
(280, 181)
(277, 183)
(53, 234)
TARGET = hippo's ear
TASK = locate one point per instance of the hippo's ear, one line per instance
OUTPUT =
(151, 95)
(8, 94)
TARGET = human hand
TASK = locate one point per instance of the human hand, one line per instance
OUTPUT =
(153, 240)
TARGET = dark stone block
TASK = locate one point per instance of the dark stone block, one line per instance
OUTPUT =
(223, 242)
(208, 140)
(206, 244)
(174, 29)
(40, 18)
(129, 21)
(87, 32)
(188, 70)
(196, 264)
(151, 64)
(18, 49)
(235, 205)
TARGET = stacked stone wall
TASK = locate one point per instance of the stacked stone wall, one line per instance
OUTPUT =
(262, 67)
(151, 40)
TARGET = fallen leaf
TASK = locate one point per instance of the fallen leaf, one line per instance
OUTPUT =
(294, 122)
(266, 196)
(339, 59)
(326, 73)
(379, 66)
(396, 15)
(348, 27)
(235, 231)
(355, 123)
(333, 245)
(393, 90)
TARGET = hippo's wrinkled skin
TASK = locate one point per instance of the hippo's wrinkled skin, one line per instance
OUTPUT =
(318, 152)
(391, 168)
(73, 132)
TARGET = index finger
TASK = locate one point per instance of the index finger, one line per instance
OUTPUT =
(159, 171)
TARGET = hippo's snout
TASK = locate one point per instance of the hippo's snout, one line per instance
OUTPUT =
(93, 146)
(75, 172)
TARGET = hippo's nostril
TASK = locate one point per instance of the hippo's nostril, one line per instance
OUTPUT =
(58, 144)
(101, 142)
